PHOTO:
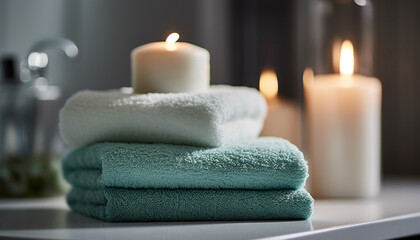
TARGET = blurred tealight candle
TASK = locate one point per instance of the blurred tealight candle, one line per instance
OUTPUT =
(171, 66)
(344, 122)
(283, 117)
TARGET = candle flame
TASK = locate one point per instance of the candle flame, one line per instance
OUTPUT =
(347, 58)
(308, 76)
(269, 83)
(171, 40)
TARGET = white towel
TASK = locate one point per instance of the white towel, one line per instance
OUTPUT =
(222, 114)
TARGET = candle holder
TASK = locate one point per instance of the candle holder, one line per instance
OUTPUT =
(342, 99)
(329, 24)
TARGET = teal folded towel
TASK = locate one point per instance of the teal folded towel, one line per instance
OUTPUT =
(121, 204)
(263, 163)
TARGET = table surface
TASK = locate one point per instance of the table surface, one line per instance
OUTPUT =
(395, 213)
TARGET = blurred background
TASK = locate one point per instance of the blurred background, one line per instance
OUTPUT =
(244, 37)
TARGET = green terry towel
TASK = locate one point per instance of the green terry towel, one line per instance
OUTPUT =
(121, 204)
(262, 163)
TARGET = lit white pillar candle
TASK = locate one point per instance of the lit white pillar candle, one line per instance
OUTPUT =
(344, 125)
(170, 66)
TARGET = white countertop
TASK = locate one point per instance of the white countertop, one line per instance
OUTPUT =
(395, 213)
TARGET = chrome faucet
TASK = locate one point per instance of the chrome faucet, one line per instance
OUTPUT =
(37, 60)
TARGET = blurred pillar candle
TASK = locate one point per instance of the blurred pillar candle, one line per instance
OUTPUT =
(283, 117)
(171, 66)
(344, 125)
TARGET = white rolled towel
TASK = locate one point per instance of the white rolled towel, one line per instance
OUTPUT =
(212, 118)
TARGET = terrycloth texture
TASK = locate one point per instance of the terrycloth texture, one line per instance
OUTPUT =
(120, 204)
(261, 163)
(211, 119)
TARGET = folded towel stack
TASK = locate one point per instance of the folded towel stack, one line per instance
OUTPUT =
(147, 172)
